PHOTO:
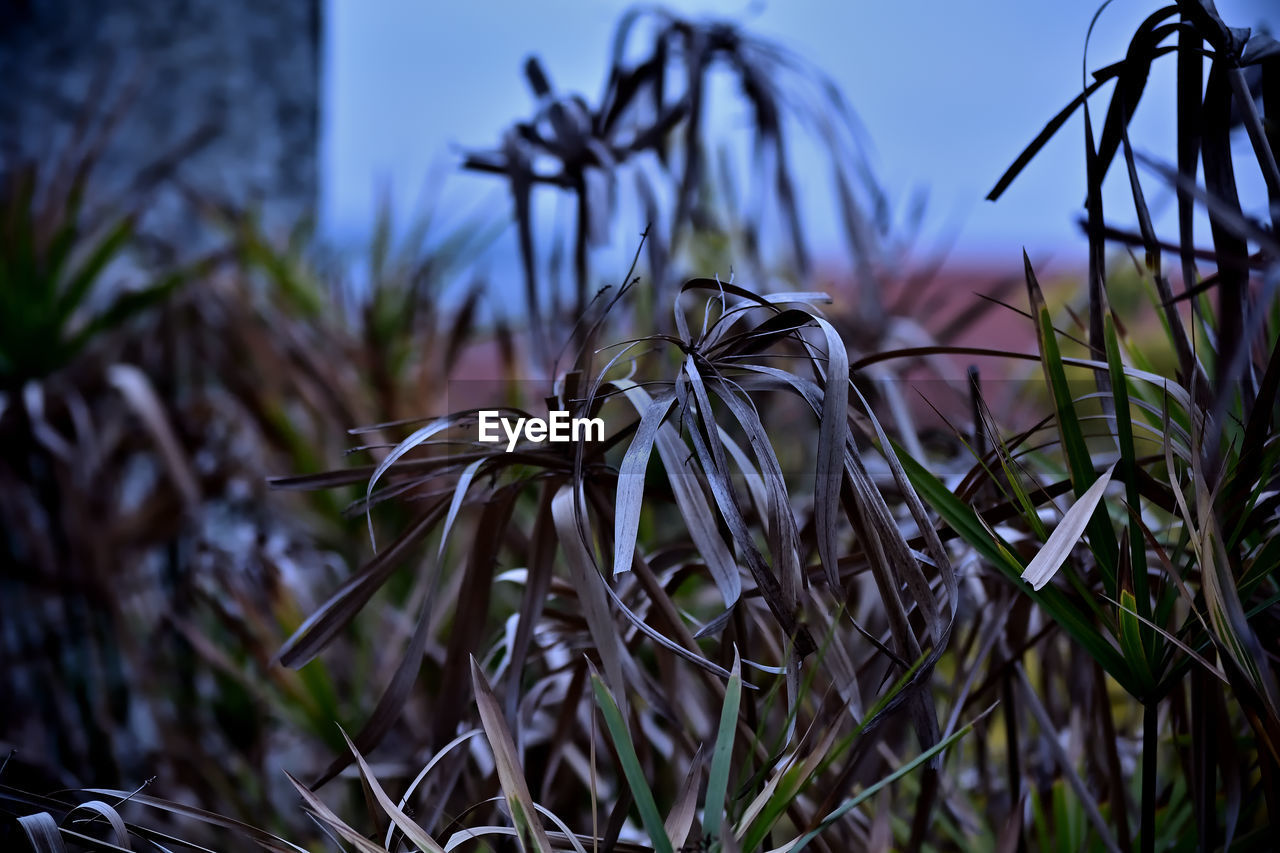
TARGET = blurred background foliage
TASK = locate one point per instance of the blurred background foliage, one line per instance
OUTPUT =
(845, 604)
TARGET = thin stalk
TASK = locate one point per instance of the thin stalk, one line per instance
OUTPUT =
(1257, 134)
(580, 243)
(1150, 715)
(1203, 759)
(1013, 750)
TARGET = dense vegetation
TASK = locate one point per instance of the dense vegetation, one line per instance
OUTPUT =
(785, 603)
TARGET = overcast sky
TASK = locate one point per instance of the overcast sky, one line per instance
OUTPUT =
(949, 91)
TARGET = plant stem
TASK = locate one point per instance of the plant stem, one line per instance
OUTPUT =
(1150, 716)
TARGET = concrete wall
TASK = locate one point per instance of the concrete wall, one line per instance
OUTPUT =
(246, 72)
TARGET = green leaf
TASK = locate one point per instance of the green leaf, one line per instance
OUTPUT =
(1102, 538)
(88, 275)
(1131, 640)
(962, 518)
(1129, 475)
(631, 768)
(722, 755)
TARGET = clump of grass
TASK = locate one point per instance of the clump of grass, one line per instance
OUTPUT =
(762, 613)
(1174, 596)
(650, 127)
(148, 572)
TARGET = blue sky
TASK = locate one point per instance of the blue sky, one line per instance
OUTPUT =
(949, 92)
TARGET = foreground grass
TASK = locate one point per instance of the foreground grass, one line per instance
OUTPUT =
(762, 614)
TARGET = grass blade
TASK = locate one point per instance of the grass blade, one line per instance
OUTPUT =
(1058, 547)
(631, 769)
(833, 435)
(722, 755)
(529, 829)
(411, 830)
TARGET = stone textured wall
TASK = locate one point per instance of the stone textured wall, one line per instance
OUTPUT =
(246, 72)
